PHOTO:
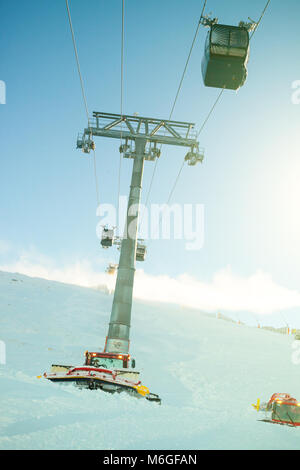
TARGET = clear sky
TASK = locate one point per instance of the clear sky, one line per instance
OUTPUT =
(248, 182)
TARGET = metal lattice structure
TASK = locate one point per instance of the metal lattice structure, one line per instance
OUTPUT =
(128, 128)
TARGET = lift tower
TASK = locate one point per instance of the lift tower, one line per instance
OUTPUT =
(140, 135)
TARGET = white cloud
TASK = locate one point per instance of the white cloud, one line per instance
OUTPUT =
(226, 291)
(257, 293)
(79, 273)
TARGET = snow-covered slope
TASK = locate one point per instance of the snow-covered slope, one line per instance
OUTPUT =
(207, 371)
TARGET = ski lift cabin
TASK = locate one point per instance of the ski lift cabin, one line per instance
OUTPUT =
(141, 251)
(107, 237)
(193, 157)
(225, 56)
(111, 268)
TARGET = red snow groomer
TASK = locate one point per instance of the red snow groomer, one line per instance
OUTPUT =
(282, 408)
(109, 372)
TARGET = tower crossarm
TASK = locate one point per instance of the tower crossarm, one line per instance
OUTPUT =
(128, 127)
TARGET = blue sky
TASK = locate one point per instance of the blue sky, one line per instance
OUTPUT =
(248, 181)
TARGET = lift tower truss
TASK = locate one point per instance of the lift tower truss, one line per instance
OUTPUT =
(140, 136)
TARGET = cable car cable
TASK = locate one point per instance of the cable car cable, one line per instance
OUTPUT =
(174, 104)
(188, 59)
(209, 114)
(201, 128)
(83, 95)
(121, 109)
(261, 16)
(77, 61)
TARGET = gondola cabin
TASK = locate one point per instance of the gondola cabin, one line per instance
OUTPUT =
(111, 268)
(107, 237)
(225, 57)
(140, 252)
(193, 157)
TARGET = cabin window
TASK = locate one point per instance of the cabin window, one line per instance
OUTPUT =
(107, 363)
(230, 41)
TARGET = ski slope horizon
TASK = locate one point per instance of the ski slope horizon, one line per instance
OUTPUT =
(242, 297)
(207, 372)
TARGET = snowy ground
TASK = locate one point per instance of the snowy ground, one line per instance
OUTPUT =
(207, 371)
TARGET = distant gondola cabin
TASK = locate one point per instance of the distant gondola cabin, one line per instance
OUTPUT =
(107, 237)
(140, 252)
(225, 57)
